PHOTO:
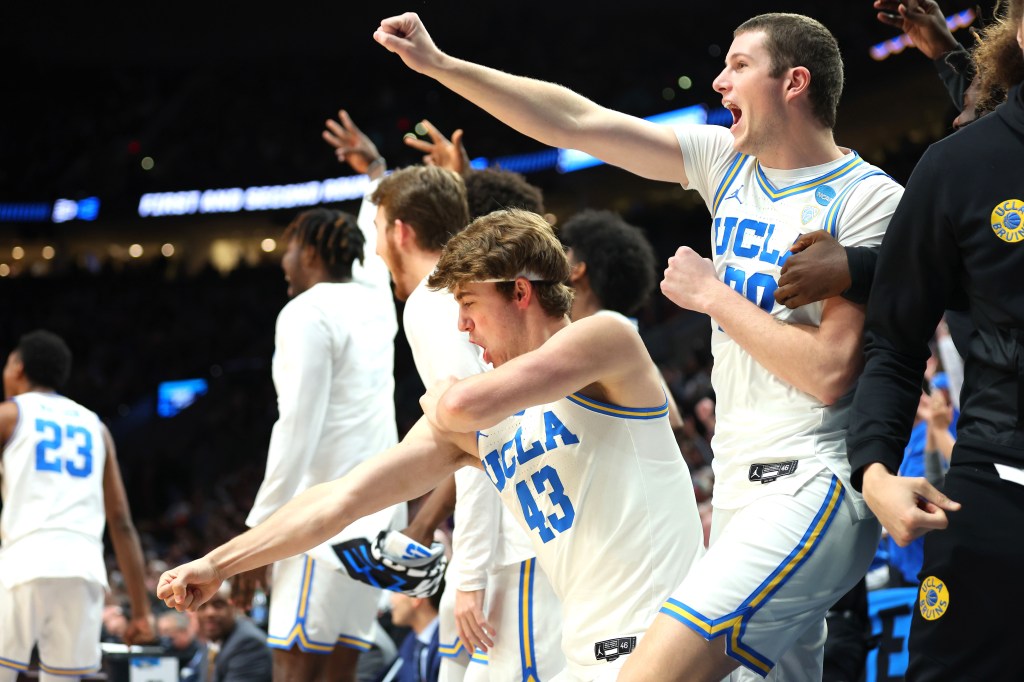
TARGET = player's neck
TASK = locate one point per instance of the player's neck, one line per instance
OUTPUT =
(418, 264)
(800, 149)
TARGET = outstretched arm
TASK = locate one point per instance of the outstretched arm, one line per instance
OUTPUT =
(544, 111)
(597, 354)
(407, 470)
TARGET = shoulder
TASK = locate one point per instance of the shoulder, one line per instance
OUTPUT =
(8, 420)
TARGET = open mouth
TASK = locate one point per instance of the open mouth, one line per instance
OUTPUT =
(736, 112)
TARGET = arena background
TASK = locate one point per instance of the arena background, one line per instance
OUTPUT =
(102, 105)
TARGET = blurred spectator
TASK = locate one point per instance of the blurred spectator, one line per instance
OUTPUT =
(236, 649)
(418, 656)
(178, 634)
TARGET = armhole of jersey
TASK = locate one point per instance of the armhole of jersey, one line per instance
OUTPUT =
(730, 175)
(831, 222)
(17, 426)
(618, 411)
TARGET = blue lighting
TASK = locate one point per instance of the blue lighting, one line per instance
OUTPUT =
(174, 396)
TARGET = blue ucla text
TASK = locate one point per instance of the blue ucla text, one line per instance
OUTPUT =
(500, 463)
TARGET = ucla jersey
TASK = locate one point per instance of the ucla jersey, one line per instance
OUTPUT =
(52, 487)
(607, 501)
(768, 431)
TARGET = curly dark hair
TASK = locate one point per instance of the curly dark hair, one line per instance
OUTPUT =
(333, 234)
(46, 359)
(494, 189)
(620, 261)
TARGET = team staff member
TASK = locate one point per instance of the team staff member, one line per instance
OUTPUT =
(959, 228)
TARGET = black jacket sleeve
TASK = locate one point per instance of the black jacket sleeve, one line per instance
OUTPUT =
(861, 261)
(918, 266)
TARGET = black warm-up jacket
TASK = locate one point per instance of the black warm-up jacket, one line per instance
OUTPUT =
(958, 233)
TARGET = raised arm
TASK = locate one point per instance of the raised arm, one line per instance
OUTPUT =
(127, 547)
(404, 472)
(544, 111)
(598, 355)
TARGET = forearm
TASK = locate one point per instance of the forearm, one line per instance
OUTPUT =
(824, 366)
(128, 550)
(438, 507)
(404, 472)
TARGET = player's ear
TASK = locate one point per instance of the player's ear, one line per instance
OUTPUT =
(522, 292)
(403, 232)
(798, 82)
(577, 272)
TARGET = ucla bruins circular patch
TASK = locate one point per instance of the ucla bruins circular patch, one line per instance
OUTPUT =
(933, 598)
(1008, 220)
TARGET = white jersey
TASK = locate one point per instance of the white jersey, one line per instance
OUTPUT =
(51, 481)
(440, 350)
(769, 431)
(607, 501)
(333, 370)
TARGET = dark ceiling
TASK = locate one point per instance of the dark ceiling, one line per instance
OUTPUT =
(234, 96)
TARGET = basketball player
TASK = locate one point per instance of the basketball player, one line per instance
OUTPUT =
(333, 371)
(418, 208)
(571, 429)
(60, 482)
(789, 535)
(613, 268)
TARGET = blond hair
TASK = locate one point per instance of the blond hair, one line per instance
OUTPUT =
(504, 245)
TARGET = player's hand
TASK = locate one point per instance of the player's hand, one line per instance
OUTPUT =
(474, 630)
(906, 507)
(430, 399)
(140, 630)
(441, 151)
(352, 146)
(244, 586)
(922, 20)
(406, 36)
(818, 269)
(190, 585)
(688, 279)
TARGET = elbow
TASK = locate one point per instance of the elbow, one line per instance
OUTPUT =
(455, 410)
(837, 384)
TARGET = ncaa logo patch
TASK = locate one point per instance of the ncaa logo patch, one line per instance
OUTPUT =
(1008, 220)
(933, 598)
(824, 195)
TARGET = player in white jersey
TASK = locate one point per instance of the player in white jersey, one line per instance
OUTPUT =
(782, 80)
(418, 208)
(60, 483)
(333, 371)
(587, 461)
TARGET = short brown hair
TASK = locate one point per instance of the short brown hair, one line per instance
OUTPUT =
(503, 245)
(795, 40)
(432, 200)
(997, 56)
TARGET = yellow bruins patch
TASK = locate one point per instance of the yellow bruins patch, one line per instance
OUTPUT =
(933, 598)
(1008, 220)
